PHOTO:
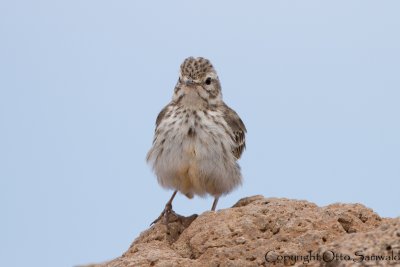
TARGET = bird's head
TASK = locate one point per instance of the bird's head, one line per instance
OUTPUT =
(198, 79)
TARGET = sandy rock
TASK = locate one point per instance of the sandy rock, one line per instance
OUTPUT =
(379, 247)
(260, 231)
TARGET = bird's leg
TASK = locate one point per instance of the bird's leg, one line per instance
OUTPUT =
(168, 206)
(167, 210)
(214, 204)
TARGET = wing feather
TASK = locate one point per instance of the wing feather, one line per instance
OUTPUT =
(161, 115)
(238, 128)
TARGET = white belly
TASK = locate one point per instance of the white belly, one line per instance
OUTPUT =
(194, 156)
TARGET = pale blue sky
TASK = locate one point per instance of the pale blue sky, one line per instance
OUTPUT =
(81, 82)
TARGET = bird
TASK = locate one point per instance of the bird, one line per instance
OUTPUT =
(198, 139)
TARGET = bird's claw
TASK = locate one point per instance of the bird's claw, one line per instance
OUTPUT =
(165, 214)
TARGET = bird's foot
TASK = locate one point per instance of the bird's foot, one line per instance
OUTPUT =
(166, 213)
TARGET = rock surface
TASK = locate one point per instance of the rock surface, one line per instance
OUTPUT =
(260, 231)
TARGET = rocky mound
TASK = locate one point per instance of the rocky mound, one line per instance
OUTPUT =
(260, 231)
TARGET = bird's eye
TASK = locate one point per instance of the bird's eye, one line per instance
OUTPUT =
(208, 81)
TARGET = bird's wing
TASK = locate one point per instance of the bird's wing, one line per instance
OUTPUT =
(239, 130)
(161, 115)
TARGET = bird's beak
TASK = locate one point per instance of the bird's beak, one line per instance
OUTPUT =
(189, 81)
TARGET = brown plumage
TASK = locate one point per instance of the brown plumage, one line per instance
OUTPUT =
(198, 138)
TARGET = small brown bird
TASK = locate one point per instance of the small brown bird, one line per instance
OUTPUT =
(198, 138)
